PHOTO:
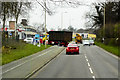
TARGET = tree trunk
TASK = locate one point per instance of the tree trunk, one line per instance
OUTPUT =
(4, 23)
(17, 13)
(4, 18)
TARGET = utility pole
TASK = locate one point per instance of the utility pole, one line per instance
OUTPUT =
(60, 1)
(15, 29)
(61, 17)
(70, 20)
(61, 20)
(45, 18)
(104, 25)
(45, 21)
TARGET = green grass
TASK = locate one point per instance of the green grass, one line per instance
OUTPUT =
(109, 48)
(18, 53)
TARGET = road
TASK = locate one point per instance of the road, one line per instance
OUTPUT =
(25, 66)
(92, 62)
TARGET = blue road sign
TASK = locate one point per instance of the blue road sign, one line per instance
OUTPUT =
(37, 37)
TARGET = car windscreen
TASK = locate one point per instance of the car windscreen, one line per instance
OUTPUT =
(29, 39)
(91, 41)
(86, 40)
(72, 45)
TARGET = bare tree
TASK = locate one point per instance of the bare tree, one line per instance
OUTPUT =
(20, 8)
(13, 9)
(53, 4)
(71, 28)
(5, 11)
(95, 19)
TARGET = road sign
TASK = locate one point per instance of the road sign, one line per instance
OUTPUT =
(10, 34)
(37, 37)
(11, 25)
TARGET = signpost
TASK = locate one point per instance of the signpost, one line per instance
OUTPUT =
(37, 39)
(12, 26)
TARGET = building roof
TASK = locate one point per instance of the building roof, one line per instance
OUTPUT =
(30, 33)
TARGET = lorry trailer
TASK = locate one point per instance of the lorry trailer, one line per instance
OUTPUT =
(61, 38)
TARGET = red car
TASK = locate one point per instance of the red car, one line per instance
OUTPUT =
(72, 48)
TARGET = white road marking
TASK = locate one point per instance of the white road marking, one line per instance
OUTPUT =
(25, 62)
(85, 56)
(91, 70)
(93, 77)
(87, 60)
(88, 64)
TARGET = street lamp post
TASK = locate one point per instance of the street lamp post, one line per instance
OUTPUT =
(15, 29)
(62, 19)
(26, 31)
(104, 25)
(61, 12)
(45, 21)
(45, 18)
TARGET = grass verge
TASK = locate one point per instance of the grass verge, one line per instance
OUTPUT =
(109, 48)
(26, 50)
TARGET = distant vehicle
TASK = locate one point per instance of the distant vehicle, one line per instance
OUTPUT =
(78, 38)
(61, 38)
(72, 48)
(92, 42)
(28, 40)
(72, 42)
(86, 42)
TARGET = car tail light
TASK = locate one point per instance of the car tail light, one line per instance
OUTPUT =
(62, 43)
(77, 48)
(67, 48)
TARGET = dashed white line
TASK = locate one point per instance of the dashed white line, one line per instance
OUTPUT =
(91, 70)
(89, 64)
(93, 77)
(86, 59)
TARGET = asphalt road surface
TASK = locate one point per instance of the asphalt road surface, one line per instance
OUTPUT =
(25, 66)
(92, 62)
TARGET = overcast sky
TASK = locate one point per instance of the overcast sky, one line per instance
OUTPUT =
(71, 16)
